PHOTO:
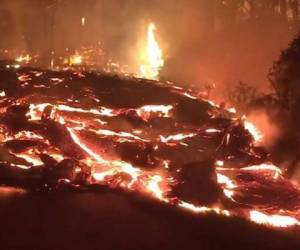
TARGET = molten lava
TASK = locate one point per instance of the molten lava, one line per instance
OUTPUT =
(155, 138)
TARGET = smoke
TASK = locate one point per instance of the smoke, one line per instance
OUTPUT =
(203, 42)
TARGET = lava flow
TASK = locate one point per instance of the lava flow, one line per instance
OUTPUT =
(67, 129)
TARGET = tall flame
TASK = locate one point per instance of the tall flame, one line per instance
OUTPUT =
(152, 56)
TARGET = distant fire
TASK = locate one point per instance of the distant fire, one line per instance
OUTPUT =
(148, 61)
(152, 56)
(75, 60)
(83, 21)
(24, 59)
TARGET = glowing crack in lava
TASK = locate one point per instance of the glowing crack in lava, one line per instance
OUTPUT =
(61, 129)
(152, 56)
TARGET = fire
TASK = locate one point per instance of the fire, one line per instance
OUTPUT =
(153, 186)
(253, 130)
(75, 59)
(273, 220)
(152, 56)
(83, 21)
(146, 111)
(24, 59)
(203, 210)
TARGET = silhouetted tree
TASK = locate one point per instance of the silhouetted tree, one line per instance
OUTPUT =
(242, 96)
(285, 78)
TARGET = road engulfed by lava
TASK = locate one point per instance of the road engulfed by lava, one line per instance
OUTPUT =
(158, 139)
